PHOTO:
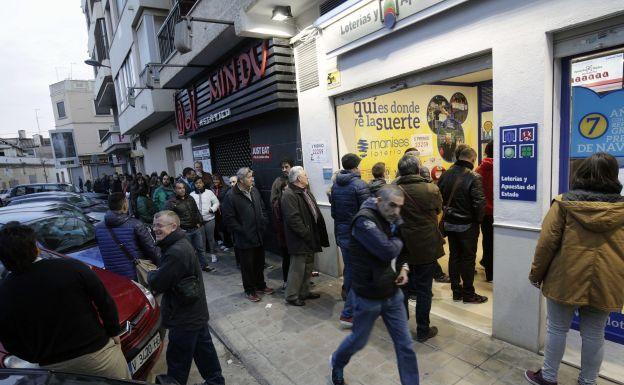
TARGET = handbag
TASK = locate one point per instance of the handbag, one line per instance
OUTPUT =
(188, 290)
(425, 214)
(142, 266)
(446, 208)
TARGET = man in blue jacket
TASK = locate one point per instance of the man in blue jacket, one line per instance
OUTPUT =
(133, 233)
(374, 246)
(348, 193)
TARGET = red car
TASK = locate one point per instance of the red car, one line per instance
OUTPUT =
(139, 315)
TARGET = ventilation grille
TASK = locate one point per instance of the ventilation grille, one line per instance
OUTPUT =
(487, 100)
(329, 5)
(307, 65)
(231, 152)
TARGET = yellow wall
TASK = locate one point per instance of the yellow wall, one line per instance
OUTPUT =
(381, 128)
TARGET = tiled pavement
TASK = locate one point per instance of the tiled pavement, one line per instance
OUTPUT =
(284, 345)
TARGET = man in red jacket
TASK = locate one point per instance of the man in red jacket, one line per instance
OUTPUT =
(486, 170)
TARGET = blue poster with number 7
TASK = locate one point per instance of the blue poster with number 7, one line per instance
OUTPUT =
(597, 123)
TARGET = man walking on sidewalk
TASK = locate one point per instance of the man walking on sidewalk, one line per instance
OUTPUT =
(184, 308)
(464, 205)
(245, 217)
(190, 221)
(305, 234)
(348, 193)
(374, 245)
(422, 238)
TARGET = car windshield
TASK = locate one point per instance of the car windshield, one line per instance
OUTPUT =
(65, 234)
(80, 201)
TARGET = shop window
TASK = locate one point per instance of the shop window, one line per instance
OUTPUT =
(592, 115)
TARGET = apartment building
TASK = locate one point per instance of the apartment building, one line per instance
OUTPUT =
(25, 160)
(79, 127)
(123, 46)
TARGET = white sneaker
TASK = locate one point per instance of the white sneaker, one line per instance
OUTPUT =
(225, 249)
(214, 258)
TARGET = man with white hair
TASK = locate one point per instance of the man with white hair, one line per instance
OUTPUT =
(305, 232)
(245, 216)
(184, 307)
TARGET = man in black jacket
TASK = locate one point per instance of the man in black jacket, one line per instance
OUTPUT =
(422, 238)
(305, 234)
(373, 247)
(189, 335)
(464, 200)
(245, 216)
(190, 221)
(55, 311)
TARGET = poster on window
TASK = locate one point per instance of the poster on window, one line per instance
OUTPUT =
(601, 74)
(434, 119)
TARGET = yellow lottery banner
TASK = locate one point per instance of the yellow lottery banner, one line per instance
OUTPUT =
(435, 119)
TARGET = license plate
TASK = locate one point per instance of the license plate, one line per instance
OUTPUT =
(144, 354)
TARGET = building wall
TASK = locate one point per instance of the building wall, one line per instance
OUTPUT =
(14, 174)
(518, 35)
(157, 142)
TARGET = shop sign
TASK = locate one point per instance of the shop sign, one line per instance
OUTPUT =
(433, 118)
(518, 162)
(318, 152)
(333, 80)
(614, 330)
(597, 123)
(372, 16)
(261, 153)
(600, 74)
(234, 75)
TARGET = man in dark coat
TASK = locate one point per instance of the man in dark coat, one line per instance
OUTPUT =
(245, 217)
(462, 191)
(131, 232)
(189, 334)
(422, 239)
(348, 193)
(278, 222)
(305, 235)
(190, 221)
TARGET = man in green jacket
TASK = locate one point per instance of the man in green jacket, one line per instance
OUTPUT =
(163, 193)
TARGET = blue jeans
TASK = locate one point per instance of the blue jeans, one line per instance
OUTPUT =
(186, 346)
(347, 311)
(419, 284)
(593, 322)
(392, 311)
(196, 237)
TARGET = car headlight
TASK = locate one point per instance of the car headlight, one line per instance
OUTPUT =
(17, 363)
(148, 294)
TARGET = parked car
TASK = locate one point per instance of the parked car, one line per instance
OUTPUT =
(25, 189)
(57, 207)
(61, 231)
(42, 376)
(139, 316)
(4, 195)
(87, 205)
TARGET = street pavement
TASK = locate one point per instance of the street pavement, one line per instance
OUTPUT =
(284, 345)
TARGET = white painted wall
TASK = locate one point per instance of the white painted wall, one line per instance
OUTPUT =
(155, 155)
(518, 35)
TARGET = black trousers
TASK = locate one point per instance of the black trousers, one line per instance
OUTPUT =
(252, 268)
(463, 248)
(285, 262)
(196, 345)
(487, 242)
(420, 283)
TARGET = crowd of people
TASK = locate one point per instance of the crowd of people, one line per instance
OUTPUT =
(391, 235)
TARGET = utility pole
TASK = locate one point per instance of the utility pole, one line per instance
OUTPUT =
(37, 119)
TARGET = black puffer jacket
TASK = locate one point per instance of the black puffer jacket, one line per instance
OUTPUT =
(468, 204)
(245, 218)
(179, 261)
(190, 217)
(303, 235)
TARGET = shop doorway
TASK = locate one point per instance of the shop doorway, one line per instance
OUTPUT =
(434, 112)
(592, 120)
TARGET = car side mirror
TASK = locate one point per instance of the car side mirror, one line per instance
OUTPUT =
(163, 379)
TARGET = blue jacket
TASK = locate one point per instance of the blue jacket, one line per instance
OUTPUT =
(347, 195)
(134, 235)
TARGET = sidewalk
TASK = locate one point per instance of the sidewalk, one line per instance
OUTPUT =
(284, 345)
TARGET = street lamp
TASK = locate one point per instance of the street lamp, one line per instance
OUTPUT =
(95, 63)
(281, 13)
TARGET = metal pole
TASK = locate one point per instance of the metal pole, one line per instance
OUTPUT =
(37, 119)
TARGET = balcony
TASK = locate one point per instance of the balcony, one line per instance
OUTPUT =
(114, 141)
(166, 32)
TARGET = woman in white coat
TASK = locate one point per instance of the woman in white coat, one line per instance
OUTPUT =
(208, 204)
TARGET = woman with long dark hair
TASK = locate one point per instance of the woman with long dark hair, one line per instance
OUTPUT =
(579, 266)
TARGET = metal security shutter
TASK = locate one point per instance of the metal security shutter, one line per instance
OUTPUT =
(487, 102)
(307, 65)
(328, 5)
(231, 152)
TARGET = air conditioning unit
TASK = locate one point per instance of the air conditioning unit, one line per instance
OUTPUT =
(182, 36)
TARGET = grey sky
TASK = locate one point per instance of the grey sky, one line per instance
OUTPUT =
(39, 39)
